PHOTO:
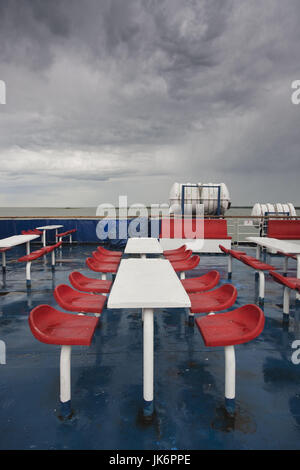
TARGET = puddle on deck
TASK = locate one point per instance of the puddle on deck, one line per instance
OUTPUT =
(107, 376)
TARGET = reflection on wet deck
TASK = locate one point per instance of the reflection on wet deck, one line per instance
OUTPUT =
(107, 377)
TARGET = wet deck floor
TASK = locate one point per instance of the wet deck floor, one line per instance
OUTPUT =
(107, 377)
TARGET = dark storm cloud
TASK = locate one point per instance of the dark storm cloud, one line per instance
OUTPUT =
(28, 29)
(129, 90)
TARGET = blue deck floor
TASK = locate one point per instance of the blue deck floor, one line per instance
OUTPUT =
(107, 377)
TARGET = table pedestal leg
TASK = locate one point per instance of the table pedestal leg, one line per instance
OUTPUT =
(53, 260)
(28, 275)
(3, 262)
(261, 295)
(229, 378)
(65, 382)
(229, 267)
(44, 238)
(148, 361)
(286, 304)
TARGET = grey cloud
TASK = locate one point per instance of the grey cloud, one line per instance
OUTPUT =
(184, 89)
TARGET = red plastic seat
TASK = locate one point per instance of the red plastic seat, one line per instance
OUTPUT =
(69, 299)
(87, 284)
(51, 326)
(228, 329)
(114, 254)
(237, 255)
(201, 284)
(284, 229)
(182, 228)
(64, 234)
(221, 298)
(181, 249)
(290, 282)
(180, 257)
(101, 267)
(33, 255)
(225, 250)
(256, 264)
(3, 250)
(228, 251)
(33, 231)
(106, 259)
(50, 248)
(289, 255)
(186, 265)
(236, 327)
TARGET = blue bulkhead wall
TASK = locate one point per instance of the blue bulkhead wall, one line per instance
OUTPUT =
(117, 232)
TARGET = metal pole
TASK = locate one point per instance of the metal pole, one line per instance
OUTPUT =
(65, 381)
(219, 200)
(229, 378)
(182, 200)
(148, 361)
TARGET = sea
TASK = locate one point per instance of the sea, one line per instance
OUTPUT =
(45, 212)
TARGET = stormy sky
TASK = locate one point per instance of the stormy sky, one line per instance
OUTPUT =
(125, 97)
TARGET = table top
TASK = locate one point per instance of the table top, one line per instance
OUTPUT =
(274, 243)
(143, 245)
(147, 283)
(49, 227)
(16, 240)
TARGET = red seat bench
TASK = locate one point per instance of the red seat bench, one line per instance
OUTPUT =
(106, 258)
(202, 283)
(289, 283)
(185, 265)
(38, 254)
(284, 229)
(229, 329)
(180, 256)
(231, 254)
(200, 235)
(113, 254)
(215, 300)
(259, 267)
(212, 228)
(177, 251)
(286, 257)
(33, 231)
(101, 267)
(51, 326)
(69, 233)
(88, 284)
(70, 299)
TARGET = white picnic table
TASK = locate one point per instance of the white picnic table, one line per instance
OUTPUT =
(143, 246)
(15, 240)
(48, 227)
(278, 245)
(147, 284)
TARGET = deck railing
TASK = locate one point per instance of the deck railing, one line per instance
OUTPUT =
(239, 226)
